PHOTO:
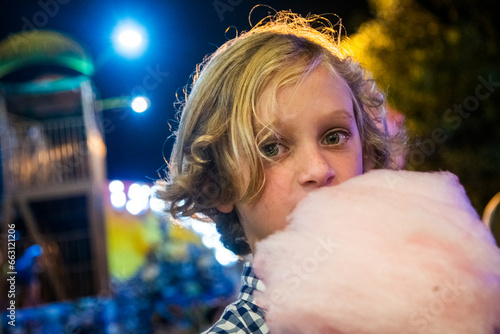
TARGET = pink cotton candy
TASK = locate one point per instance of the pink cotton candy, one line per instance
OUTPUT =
(386, 252)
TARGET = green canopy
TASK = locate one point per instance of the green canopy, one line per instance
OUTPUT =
(42, 47)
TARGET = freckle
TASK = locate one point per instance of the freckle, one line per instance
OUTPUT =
(436, 288)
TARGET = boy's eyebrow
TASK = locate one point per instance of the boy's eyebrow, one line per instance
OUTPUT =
(261, 130)
(344, 114)
(340, 114)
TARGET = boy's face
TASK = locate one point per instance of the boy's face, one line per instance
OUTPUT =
(319, 146)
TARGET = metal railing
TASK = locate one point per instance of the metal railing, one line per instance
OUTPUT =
(45, 153)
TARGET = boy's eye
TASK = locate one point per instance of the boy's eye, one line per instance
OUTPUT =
(336, 137)
(271, 150)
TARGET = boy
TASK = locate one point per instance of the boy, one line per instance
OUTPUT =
(271, 116)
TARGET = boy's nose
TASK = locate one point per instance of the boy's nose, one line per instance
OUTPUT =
(315, 170)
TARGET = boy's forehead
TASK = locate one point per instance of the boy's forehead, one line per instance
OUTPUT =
(272, 108)
(267, 113)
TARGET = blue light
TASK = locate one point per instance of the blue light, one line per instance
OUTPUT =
(34, 251)
(140, 104)
(129, 39)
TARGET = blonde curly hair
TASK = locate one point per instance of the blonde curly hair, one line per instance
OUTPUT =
(217, 132)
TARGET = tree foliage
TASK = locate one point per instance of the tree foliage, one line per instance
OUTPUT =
(438, 61)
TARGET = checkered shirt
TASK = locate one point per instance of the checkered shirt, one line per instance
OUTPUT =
(243, 316)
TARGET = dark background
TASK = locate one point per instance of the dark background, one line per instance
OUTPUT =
(180, 34)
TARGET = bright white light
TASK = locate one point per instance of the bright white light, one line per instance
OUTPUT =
(137, 191)
(138, 198)
(118, 199)
(140, 104)
(130, 38)
(116, 186)
(210, 240)
(225, 256)
(134, 207)
(157, 204)
(134, 191)
(146, 190)
(202, 228)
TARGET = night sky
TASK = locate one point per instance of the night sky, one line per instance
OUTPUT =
(180, 34)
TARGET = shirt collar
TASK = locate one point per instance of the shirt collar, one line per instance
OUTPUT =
(249, 283)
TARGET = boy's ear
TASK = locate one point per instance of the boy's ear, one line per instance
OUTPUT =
(225, 208)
